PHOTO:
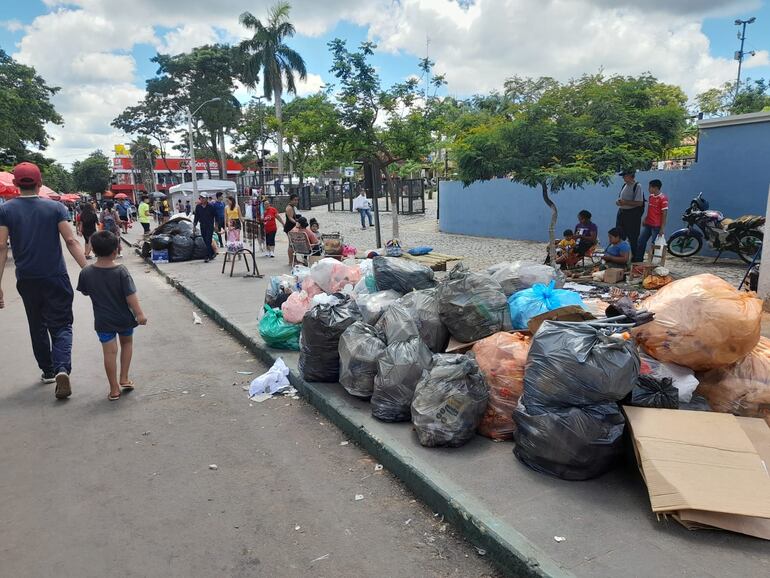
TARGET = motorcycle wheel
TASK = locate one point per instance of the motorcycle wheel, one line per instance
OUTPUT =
(684, 244)
(748, 244)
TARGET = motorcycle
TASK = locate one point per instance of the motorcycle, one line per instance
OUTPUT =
(742, 236)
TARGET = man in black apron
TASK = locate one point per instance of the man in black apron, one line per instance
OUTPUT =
(630, 207)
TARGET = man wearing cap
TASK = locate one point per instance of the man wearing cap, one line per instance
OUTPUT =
(206, 215)
(630, 207)
(35, 226)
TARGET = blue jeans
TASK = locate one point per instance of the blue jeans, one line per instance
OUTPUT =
(368, 214)
(644, 238)
(48, 303)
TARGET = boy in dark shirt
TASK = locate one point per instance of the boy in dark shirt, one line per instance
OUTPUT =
(116, 308)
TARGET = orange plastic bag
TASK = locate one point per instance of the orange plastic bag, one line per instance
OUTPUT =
(741, 389)
(501, 358)
(701, 322)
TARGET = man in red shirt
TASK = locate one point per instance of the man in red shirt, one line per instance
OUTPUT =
(269, 218)
(655, 222)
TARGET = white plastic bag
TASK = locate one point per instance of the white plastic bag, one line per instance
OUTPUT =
(682, 378)
(275, 380)
(324, 299)
(321, 272)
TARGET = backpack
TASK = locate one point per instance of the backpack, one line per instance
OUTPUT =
(108, 220)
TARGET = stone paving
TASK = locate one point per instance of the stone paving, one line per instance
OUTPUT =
(481, 252)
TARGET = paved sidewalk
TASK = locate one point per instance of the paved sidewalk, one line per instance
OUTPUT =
(500, 504)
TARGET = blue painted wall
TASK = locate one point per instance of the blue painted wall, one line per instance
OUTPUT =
(733, 172)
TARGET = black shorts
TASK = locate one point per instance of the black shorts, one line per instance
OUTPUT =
(270, 239)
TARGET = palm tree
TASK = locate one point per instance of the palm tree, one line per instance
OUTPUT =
(266, 51)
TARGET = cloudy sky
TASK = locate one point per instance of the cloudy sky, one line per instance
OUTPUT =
(98, 51)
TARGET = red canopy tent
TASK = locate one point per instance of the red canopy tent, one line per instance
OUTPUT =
(9, 190)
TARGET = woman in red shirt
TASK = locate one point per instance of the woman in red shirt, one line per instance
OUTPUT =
(268, 219)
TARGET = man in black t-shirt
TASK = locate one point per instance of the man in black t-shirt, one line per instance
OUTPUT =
(206, 215)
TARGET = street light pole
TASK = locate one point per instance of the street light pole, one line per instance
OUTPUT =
(740, 54)
(193, 166)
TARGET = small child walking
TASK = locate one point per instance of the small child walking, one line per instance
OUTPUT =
(116, 309)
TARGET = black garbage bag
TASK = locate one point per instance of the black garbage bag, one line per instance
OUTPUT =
(401, 275)
(146, 249)
(397, 324)
(449, 401)
(160, 242)
(199, 248)
(398, 371)
(577, 364)
(373, 305)
(696, 403)
(575, 443)
(423, 308)
(181, 248)
(654, 392)
(520, 275)
(361, 345)
(471, 305)
(176, 226)
(322, 327)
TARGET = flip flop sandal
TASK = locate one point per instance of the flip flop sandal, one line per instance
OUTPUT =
(113, 397)
(129, 386)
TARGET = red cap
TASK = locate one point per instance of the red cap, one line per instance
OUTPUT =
(27, 175)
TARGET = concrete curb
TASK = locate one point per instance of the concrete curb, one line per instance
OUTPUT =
(508, 549)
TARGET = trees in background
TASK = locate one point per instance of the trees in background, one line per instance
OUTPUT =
(754, 96)
(267, 53)
(58, 178)
(572, 134)
(92, 174)
(143, 156)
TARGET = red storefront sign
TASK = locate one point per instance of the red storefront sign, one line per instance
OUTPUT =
(176, 165)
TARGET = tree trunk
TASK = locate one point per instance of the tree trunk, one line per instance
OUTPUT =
(551, 226)
(279, 116)
(393, 202)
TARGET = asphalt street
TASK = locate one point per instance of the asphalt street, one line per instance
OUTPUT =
(93, 488)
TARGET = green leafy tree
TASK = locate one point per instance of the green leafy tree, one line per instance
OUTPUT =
(310, 127)
(154, 118)
(256, 128)
(92, 174)
(25, 109)
(186, 81)
(58, 178)
(143, 156)
(753, 96)
(267, 53)
(578, 133)
(381, 126)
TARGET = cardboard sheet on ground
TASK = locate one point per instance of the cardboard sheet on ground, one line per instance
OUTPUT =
(706, 470)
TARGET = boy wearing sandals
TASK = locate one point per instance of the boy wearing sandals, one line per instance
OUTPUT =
(116, 308)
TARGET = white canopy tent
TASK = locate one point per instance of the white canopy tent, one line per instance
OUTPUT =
(184, 191)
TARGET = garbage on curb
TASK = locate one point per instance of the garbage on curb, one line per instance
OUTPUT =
(423, 307)
(520, 275)
(529, 303)
(322, 328)
(373, 305)
(471, 305)
(276, 332)
(705, 470)
(742, 388)
(274, 380)
(361, 345)
(398, 371)
(449, 401)
(501, 358)
(397, 324)
(401, 275)
(701, 322)
(295, 307)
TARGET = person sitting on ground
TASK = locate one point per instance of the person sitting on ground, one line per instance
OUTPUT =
(586, 233)
(617, 254)
(565, 247)
(116, 309)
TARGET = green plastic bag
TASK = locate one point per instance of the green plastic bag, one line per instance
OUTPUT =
(279, 333)
(371, 284)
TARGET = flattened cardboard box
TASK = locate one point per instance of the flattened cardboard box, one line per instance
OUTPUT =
(707, 470)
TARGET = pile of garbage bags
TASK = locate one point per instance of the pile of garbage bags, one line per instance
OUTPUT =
(361, 346)
(521, 275)
(372, 305)
(397, 324)
(401, 275)
(568, 424)
(179, 239)
(449, 401)
(471, 305)
(701, 322)
(322, 328)
(502, 358)
(276, 332)
(424, 310)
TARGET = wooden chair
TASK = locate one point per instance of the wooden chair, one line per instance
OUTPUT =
(300, 246)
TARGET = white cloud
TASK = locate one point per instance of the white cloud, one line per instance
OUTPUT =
(12, 25)
(84, 45)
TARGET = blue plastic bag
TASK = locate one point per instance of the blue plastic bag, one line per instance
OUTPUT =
(422, 250)
(529, 303)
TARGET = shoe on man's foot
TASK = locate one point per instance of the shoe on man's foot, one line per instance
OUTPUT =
(63, 389)
(48, 377)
